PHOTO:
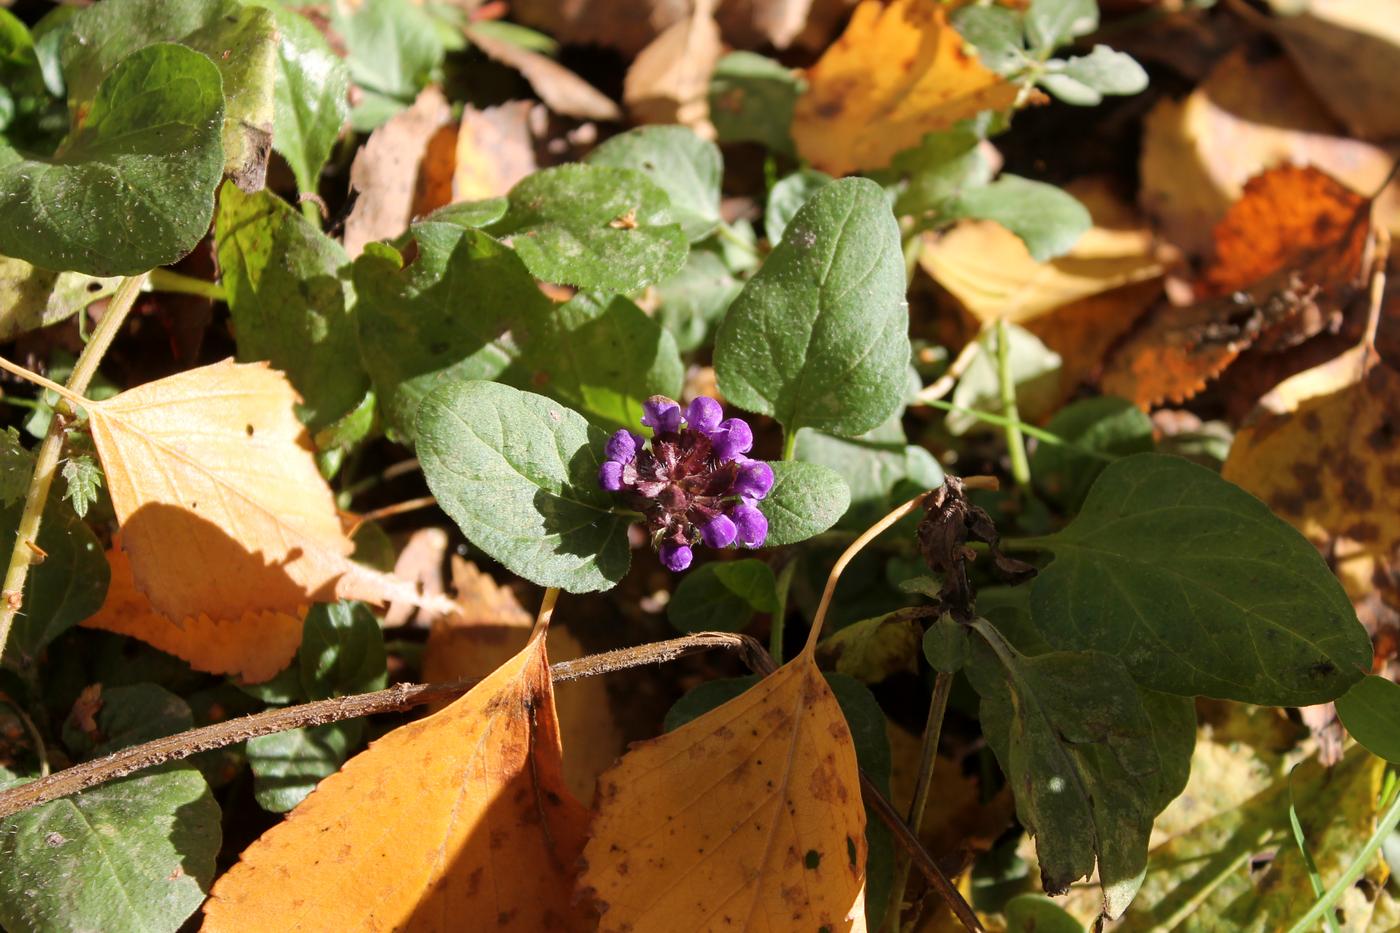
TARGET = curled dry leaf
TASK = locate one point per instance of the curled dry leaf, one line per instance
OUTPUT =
(900, 68)
(760, 827)
(561, 90)
(495, 149)
(253, 647)
(669, 81)
(222, 509)
(460, 815)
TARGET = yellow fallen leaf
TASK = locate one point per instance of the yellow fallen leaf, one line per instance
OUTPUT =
(494, 151)
(455, 822)
(897, 73)
(222, 509)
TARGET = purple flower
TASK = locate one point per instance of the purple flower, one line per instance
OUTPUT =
(610, 476)
(703, 415)
(751, 524)
(623, 446)
(754, 480)
(661, 414)
(731, 438)
(719, 532)
(676, 557)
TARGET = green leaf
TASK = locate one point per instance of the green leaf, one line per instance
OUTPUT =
(1107, 425)
(930, 176)
(1053, 23)
(394, 50)
(287, 766)
(946, 645)
(1371, 712)
(133, 188)
(1048, 219)
(1084, 80)
(311, 96)
(132, 856)
(819, 336)
(876, 471)
(470, 213)
(342, 651)
(1035, 372)
(65, 589)
(786, 198)
(806, 499)
(1036, 913)
(595, 227)
(872, 649)
(695, 299)
(31, 298)
(680, 163)
(129, 715)
(752, 99)
(518, 473)
(1199, 588)
(83, 478)
(998, 34)
(16, 467)
(722, 596)
(288, 290)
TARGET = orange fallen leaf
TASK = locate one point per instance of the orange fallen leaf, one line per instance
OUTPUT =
(495, 149)
(253, 648)
(222, 508)
(897, 73)
(457, 821)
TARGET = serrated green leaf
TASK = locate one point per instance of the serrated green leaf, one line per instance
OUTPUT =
(1052, 23)
(518, 473)
(595, 227)
(288, 290)
(132, 856)
(695, 299)
(287, 766)
(786, 198)
(129, 715)
(683, 165)
(83, 478)
(16, 467)
(819, 336)
(342, 651)
(1107, 425)
(722, 596)
(31, 297)
(1047, 219)
(1199, 588)
(1370, 710)
(806, 499)
(752, 99)
(133, 188)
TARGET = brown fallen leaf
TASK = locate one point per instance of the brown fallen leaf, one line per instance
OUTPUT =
(421, 561)
(561, 90)
(625, 25)
(897, 73)
(253, 647)
(669, 81)
(958, 824)
(458, 820)
(386, 170)
(495, 149)
(222, 508)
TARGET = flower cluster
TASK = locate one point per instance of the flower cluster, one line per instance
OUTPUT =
(694, 483)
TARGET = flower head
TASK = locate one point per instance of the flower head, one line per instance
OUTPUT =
(692, 482)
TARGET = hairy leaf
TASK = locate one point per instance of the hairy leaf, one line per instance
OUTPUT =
(82, 478)
(806, 499)
(680, 163)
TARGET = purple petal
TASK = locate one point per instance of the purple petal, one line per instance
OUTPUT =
(661, 414)
(676, 557)
(731, 438)
(610, 475)
(623, 446)
(704, 414)
(719, 532)
(751, 524)
(754, 480)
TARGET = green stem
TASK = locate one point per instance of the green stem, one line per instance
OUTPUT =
(46, 462)
(167, 280)
(928, 757)
(725, 232)
(1039, 434)
(1358, 866)
(790, 445)
(775, 629)
(1020, 466)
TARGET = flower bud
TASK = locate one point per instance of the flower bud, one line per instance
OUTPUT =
(661, 414)
(704, 414)
(731, 438)
(623, 446)
(751, 524)
(676, 557)
(754, 480)
(610, 475)
(719, 532)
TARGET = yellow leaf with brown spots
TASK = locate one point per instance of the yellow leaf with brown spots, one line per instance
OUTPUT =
(898, 73)
(1323, 450)
(457, 821)
(748, 817)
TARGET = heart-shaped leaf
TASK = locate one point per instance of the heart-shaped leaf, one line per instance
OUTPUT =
(806, 499)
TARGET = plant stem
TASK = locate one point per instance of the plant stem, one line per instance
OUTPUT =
(726, 233)
(46, 462)
(928, 757)
(1020, 466)
(775, 628)
(167, 280)
(1039, 434)
(790, 445)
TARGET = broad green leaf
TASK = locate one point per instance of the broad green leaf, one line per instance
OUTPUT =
(31, 297)
(928, 178)
(1085, 79)
(680, 163)
(65, 589)
(470, 213)
(394, 50)
(786, 198)
(518, 473)
(1048, 219)
(82, 479)
(819, 336)
(806, 499)
(288, 290)
(287, 766)
(132, 856)
(1035, 372)
(595, 227)
(722, 596)
(872, 649)
(1053, 23)
(998, 34)
(1107, 425)
(1036, 913)
(342, 651)
(16, 467)
(1079, 751)
(946, 645)
(129, 715)
(1371, 712)
(311, 96)
(751, 100)
(877, 472)
(133, 188)
(1199, 588)
(695, 299)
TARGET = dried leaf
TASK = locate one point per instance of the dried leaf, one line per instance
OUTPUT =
(760, 827)
(463, 814)
(669, 81)
(254, 647)
(421, 561)
(561, 90)
(494, 151)
(900, 68)
(222, 508)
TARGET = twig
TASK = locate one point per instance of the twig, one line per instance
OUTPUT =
(1377, 298)
(168, 280)
(928, 756)
(46, 462)
(944, 384)
(388, 511)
